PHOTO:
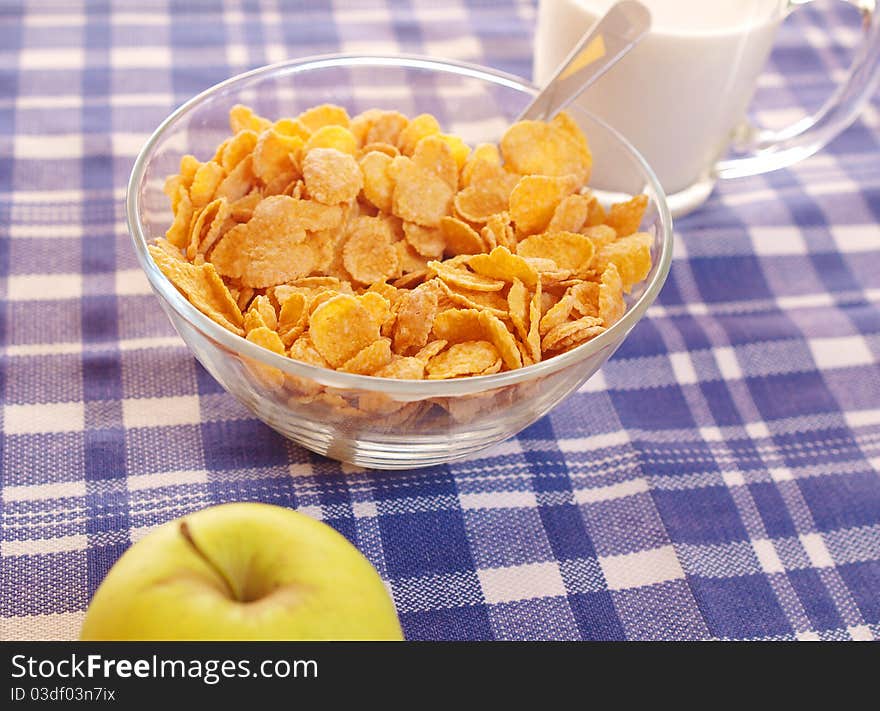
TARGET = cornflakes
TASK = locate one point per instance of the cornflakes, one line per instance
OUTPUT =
(332, 136)
(272, 155)
(381, 246)
(203, 287)
(421, 126)
(415, 318)
(535, 199)
(477, 203)
(429, 242)
(538, 148)
(434, 155)
(378, 186)
(238, 148)
(419, 195)
(518, 307)
(631, 255)
(324, 115)
(568, 250)
(465, 358)
(460, 237)
(463, 278)
(481, 300)
(369, 359)
(625, 217)
(570, 214)
(501, 264)
(610, 300)
(571, 333)
(272, 378)
(455, 325)
(204, 183)
(331, 176)
(340, 327)
(368, 254)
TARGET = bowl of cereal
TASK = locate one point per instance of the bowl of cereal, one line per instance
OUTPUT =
(382, 264)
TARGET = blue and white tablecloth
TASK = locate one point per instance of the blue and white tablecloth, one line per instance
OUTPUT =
(717, 479)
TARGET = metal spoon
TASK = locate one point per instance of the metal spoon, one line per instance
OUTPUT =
(615, 34)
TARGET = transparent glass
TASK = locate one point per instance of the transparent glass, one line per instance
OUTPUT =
(377, 422)
(682, 94)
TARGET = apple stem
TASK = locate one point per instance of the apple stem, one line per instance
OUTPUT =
(188, 537)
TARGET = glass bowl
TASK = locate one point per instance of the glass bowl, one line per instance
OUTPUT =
(368, 421)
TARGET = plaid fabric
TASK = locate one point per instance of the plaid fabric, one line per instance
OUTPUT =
(717, 479)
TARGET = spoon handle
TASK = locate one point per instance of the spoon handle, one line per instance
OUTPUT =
(608, 40)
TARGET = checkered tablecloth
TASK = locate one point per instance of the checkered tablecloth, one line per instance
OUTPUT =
(717, 479)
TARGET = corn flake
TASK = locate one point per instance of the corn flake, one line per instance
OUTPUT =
(386, 127)
(242, 118)
(534, 147)
(238, 182)
(378, 306)
(411, 262)
(205, 182)
(497, 232)
(610, 299)
(456, 325)
(491, 301)
(271, 156)
(570, 214)
(625, 217)
(535, 199)
(600, 235)
(502, 339)
(416, 311)
(368, 254)
(178, 233)
(303, 349)
(270, 377)
(434, 155)
(332, 136)
(461, 277)
(340, 327)
(478, 203)
(573, 333)
(535, 310)
(325, 236)
(292, 127)
(378, 186)
(500, 264)
(631, 255)
(324, 115)
(460, 238)
(419, 195)
(203, 287)
(292, 317)
(429, 242)
(402, 368)
(369, 359)
(518, 308)
(430, 350)
(388, 149)
(238, 148)
(418, 128)
(466, 358)
(330, 176)
(585, 298)
(568, 250)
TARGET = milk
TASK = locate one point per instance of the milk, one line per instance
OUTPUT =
(679, 95)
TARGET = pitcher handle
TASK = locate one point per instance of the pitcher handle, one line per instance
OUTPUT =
(763, 150)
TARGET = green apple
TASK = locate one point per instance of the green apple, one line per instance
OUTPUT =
(242, 571)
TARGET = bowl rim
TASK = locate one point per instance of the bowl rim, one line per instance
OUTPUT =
(229, 341)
